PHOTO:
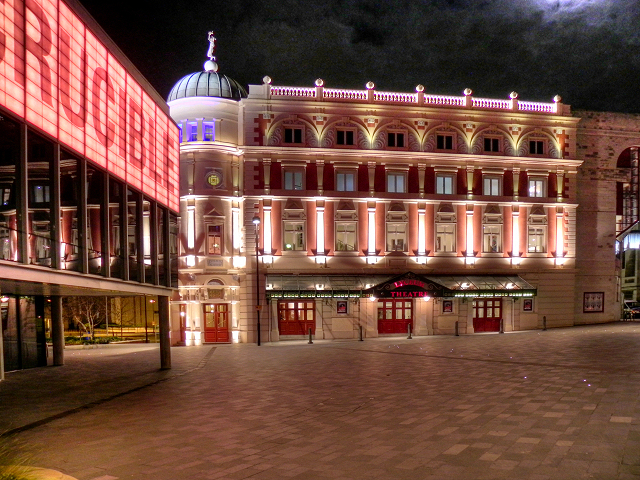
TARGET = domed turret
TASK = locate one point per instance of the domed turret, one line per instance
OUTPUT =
(208, 83)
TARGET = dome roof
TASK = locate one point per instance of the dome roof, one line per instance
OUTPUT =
(207, 84)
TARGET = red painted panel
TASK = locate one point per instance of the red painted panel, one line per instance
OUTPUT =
(72, 77)
(12, 56)
(41, 40)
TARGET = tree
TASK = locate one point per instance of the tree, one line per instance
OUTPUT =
(87, 312)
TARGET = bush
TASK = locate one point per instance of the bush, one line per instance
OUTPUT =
(83, 341)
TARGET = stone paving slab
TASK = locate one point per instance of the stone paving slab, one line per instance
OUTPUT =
(560, 404)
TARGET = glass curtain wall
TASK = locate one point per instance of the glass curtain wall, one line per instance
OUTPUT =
(39, 173)
(9, 188)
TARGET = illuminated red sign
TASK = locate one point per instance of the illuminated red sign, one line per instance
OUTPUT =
(57, 75)
(409, 283)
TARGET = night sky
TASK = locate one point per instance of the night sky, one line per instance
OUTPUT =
(587, 51)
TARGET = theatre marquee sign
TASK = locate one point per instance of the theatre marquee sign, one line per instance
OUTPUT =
(409, 285)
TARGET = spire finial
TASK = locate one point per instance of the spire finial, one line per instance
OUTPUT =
(211, 65)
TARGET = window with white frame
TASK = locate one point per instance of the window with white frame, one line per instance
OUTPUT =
(536, 147)
(396, 139)
(444, 141)
(445, 183)
(346, 180)
(397, 237)
(537, 187)
(346, 236)
(345, 137)
(445, 237)
(293, 178)
(293, 135)
(537, 230)
(294, 238)
(208, 132)
(492, 229)
(214, 239)
(396, 182)
(192, 134)
(491, 185)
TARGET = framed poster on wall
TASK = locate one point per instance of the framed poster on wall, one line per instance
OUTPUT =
(593, 302)
(341, 306)
(447, 306)
(527, 305)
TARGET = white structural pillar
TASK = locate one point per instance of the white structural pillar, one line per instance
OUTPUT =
(371, 243)
(515, 239)
(320, 227)
(422, 235)
(559, 236)
(266, 229)
(191, 234)
(469, 257)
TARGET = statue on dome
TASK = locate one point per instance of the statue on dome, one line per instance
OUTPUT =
(212, 46)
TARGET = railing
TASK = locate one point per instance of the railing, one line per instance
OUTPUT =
(419, 98)
(293, 92)
(341, 94)
(444, 100)
(537, 107)
(395, 97)
(491, 103)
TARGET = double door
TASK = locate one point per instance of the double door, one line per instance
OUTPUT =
(487, 313)
(395, 316)
(216, 323)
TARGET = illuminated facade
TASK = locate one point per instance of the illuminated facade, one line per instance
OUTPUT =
(88, 175)
(377, 212)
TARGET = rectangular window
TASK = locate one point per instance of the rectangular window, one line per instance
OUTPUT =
(40, 194)
(296, 318)
(396, 237)
(214, 240)
(294, 236)
(536, 147)
(345, 137)
(293, 179)
(192, 134)
(395, 139)
(208, 131)
(444, 142)
(444, 184)
(491, 185)
(346, 237)
(537, 187)
(491, 145)
(292, 135)
(445, 237)
(537, 239)
(396, 182)
(491, 238)
(346, 181)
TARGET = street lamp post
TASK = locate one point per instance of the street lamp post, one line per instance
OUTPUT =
(256, 222)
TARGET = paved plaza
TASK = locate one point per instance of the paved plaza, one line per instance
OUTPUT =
(558, 404)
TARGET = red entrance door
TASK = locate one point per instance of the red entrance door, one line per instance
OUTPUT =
(296, 318)
(216, 323)
(394, 316)
(487, 313)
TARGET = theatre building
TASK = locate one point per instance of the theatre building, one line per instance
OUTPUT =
(371, 212)
(88, 177)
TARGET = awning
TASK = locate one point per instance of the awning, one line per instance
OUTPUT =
(406, 285)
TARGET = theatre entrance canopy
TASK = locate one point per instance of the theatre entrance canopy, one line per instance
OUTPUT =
(405, 285)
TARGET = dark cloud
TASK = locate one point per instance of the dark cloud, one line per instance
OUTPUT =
(584, 50)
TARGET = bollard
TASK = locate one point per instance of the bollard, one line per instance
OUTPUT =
(501, 325)
(361, 333)
(457, 331)
(544, 322)
(310, 341)
(409, 331)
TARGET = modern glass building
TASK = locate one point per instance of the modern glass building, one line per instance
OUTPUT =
(88, 177)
